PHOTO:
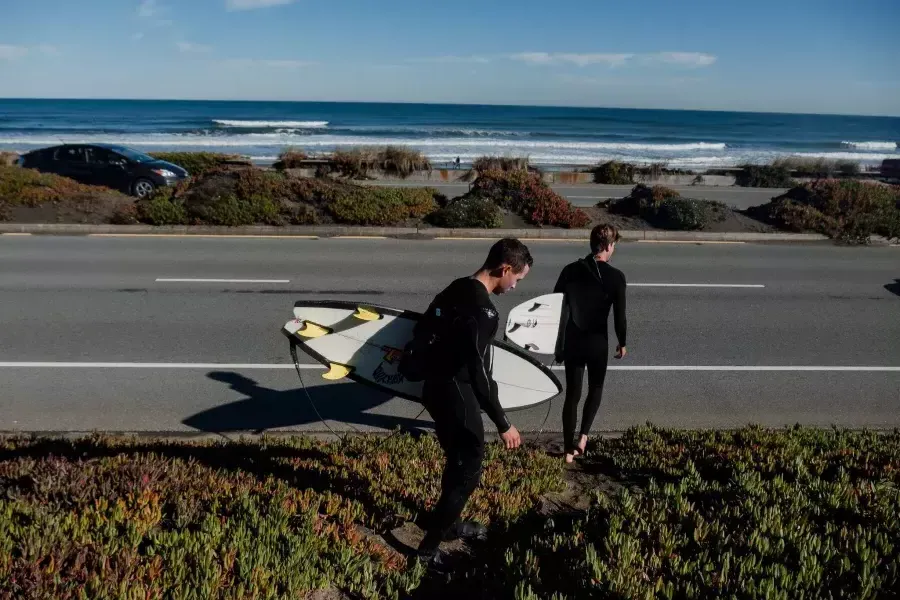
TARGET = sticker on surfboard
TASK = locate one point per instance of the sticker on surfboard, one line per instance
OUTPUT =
(363, 343)
(534, 324)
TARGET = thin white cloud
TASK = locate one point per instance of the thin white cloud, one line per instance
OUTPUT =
(272, 63)
(686, 59)
(8, 52)
(138, 36)
(253, 4)
(49, 49)
(609, 59)
(451, 60)
(581, 60)
(148, 9)
(152, 11)
(191, 48)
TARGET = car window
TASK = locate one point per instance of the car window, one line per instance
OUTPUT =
(71, 154)
(100, 156)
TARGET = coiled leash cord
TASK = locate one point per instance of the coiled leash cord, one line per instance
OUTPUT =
(343, 439)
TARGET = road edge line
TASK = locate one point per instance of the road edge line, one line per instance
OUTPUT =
(350, 232)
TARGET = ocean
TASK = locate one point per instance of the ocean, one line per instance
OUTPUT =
(548, 136)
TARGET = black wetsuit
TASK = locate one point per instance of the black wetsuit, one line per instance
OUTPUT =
(456, 392)
(591, 289)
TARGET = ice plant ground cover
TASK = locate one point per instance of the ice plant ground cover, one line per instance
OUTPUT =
(655, 513)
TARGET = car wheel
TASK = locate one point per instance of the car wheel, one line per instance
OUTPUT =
(143, 188)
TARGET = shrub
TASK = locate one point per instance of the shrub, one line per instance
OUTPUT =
(643, 201)
(686, 214)
(468, 212)
(526, 194)
(554, 210)
(291, 159)
(764, 176)
(845, 210)
(8, 159)
(382, 206)
(500, 163)
(391, 160)
(198, 163)
(161, 208)
(615, 172)
(820, 168)
(665, 208)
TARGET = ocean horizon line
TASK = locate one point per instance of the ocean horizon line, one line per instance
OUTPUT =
(441, 104)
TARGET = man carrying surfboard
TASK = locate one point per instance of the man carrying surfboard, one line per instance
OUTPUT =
(591, 287)
(458, 384)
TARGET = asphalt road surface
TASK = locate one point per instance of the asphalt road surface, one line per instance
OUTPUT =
(95, 335)
(590, 194)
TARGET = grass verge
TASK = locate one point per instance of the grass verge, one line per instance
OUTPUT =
(749, 513)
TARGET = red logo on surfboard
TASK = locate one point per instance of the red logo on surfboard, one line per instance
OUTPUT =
(391, 355)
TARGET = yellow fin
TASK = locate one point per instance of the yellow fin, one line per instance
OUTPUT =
(365, 314)
(311, 330)
(336, 372)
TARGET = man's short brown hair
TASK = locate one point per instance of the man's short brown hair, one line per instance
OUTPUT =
(603, 236)
(509, 251)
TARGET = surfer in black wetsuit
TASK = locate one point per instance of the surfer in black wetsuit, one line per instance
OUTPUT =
(459, 385)
(591, 287)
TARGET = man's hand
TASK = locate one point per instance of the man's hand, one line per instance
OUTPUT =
(511, 438)
(621, 352)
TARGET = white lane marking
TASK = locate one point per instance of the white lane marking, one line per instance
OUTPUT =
(13, 234)
(272, 367)
(688, 242)
(186, 280)
(700, 285)
(203, 236)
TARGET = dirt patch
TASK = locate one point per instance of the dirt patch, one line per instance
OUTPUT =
(96, 211)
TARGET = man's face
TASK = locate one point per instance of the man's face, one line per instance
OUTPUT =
(509, 279)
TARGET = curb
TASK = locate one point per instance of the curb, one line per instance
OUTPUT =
(419, 232)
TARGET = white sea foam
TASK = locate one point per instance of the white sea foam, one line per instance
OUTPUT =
(556, 152)
(871, 145)
(271, 124)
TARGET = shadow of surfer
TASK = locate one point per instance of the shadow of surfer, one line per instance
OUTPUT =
(265, 408)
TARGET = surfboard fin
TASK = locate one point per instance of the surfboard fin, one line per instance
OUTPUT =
(311, 330)
(336, 372)
(364, 314)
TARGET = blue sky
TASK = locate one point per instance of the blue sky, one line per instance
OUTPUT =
(823, 56)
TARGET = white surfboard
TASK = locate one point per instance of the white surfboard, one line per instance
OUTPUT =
(534, 325)
(363, 342)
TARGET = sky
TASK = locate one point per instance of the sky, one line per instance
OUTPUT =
(809, 56)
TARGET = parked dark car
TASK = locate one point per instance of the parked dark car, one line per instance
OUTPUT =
(109, 165)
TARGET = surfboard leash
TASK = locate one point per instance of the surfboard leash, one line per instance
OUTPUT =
(547, 416)
(308, 395)
(312, 403)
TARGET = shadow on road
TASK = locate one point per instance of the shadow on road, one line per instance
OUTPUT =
(894, 288)
(265, 408)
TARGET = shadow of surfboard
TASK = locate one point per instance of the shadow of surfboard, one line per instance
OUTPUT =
(264, 408)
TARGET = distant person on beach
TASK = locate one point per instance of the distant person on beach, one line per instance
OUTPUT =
(591, 287)
(456, 367)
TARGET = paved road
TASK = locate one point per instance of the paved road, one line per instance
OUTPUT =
(589, 194)
(775, 354)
